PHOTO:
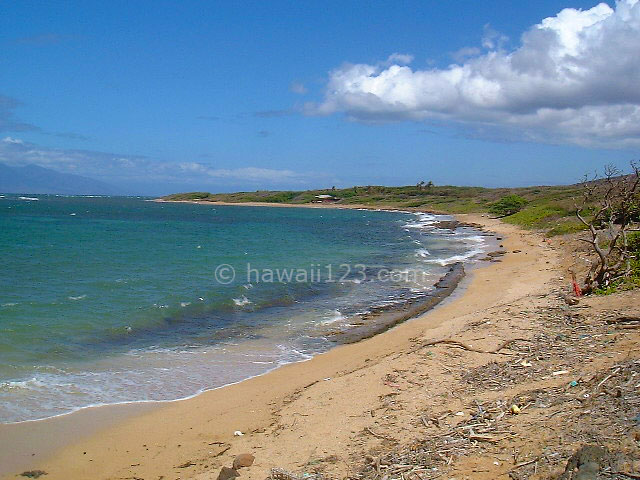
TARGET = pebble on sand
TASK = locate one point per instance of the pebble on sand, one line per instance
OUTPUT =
(243, 460)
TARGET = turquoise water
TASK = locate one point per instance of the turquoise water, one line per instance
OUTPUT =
(115, 299)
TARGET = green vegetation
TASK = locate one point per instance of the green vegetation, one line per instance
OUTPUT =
(631, 281)
(508, 205)
(543, 208)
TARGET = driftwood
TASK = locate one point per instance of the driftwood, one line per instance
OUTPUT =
(625, 322)
(464, 346)
(378, 435)
(625, 319)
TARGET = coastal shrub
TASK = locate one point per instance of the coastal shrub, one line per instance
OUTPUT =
(508, 205)
(280, 197)
(189, 196)
(613, 199)
(631, 281)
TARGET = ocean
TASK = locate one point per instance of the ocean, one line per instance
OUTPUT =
(107, 300)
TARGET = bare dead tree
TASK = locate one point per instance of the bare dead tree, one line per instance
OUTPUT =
(609, 209)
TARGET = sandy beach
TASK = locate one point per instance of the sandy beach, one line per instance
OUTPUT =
(343, 411)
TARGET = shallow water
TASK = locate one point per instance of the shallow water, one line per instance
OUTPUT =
(115, 299)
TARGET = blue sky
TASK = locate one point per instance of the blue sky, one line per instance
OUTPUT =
(165, 96)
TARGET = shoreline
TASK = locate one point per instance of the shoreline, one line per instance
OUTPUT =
(373, 321)
(125, 414)
(339, 206)
(384, 318)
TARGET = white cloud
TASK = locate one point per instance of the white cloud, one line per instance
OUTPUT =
(464, 53)
(493, 39)
(298, 87)
(575, 78)
(251, 174)
(399, 59)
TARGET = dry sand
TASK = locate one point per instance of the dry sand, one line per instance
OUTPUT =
(346, 411)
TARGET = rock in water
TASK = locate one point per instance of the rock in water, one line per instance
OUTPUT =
(227, 474)
(243, 460)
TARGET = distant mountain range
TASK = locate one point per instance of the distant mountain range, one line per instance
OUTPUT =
(36, 179)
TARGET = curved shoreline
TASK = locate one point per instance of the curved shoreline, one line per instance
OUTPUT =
(226, 397)
(356, 327)
(379, 320)
(384, 319)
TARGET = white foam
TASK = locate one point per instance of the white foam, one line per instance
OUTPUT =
(456, 258)
(31, 199)
(335, 316)
(241, 301)
(80, 297)
(30, 384)
(423, 221)
(352, 280)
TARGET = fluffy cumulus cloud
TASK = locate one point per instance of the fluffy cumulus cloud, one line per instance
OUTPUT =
(116, 168)
(574, 78)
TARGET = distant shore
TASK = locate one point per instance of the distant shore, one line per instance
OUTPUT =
(338, 205)
(459, 219)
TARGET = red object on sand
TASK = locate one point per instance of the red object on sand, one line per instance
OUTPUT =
(576, 288)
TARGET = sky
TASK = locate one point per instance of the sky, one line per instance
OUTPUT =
(165, 96)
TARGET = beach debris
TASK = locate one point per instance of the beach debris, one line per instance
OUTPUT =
(33, 473)
(587, 463)
(577, 291)
(227, 473)
(570, 299)
(238, 433)
(464, 346)
(598, 406)
(243, 460)
(378, 435)
(281, 474)
(186, 464)
(515, 409)
(625, 322)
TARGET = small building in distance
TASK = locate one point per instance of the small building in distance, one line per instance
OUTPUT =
(325, 199)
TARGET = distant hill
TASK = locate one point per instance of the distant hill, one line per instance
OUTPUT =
(35, 179)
